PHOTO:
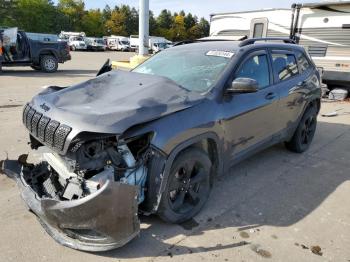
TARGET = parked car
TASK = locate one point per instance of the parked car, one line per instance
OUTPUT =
(40, 55)
(153, 140)
(95, 44)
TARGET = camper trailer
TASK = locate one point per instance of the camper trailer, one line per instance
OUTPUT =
(323, 28)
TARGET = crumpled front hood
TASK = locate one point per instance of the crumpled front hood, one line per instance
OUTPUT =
(114, 101)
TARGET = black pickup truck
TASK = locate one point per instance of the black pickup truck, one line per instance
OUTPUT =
(40, 55)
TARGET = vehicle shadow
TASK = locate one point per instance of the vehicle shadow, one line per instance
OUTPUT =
(275, 188)
(61, 73)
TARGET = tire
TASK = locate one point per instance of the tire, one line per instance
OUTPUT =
(36, 67)
(305, 132)
(72, 48)
(188, 186)
(48, 63)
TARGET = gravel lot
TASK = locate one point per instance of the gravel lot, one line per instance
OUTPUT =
(276, 205)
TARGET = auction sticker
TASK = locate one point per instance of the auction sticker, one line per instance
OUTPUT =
(226, 54)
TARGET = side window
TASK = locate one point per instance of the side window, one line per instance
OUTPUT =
(303, 63)
(284, 65)
(256, 68)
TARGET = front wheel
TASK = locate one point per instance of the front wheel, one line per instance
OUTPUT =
(48, 63)
(188, 186)
(305, 132)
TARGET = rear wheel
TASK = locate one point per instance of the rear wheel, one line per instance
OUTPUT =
(188, 186)
(305, 132)
(48, 63)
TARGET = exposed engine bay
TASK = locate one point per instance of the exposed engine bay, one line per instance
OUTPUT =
(87, 166)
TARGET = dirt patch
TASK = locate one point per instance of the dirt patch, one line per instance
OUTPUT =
(244, 234)
(261, 252)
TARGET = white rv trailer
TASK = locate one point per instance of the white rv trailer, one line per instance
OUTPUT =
(323, 28)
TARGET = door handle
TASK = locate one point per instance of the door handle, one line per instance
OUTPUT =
(270, 96)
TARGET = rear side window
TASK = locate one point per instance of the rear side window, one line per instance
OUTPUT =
(284, 65)
(256, 68)
(304, 64)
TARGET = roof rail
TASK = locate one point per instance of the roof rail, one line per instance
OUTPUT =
(201, 40)
(253, 40)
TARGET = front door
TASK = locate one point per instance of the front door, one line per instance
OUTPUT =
(251, 119)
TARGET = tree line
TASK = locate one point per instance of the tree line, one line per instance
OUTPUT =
(43, 16)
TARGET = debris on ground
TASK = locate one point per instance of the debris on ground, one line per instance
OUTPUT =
(338, 94)
(325, 92)
(331, 114)
(335, 113)
(10, 106)
(316, 250)
(304, 247)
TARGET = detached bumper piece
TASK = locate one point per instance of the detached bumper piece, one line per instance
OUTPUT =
(105, 220)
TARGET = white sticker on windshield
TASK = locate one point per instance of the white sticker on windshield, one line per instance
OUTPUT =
(226, 54)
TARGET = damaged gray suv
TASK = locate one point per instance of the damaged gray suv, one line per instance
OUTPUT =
(152, 140)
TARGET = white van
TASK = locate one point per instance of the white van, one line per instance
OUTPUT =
(118, 43)
(76, 40)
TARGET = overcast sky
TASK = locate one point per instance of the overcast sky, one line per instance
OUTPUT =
(198, 7)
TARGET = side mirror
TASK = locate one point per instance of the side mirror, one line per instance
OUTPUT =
(105, 68)
(243, 85)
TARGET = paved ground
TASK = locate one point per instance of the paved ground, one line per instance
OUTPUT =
(274, 206)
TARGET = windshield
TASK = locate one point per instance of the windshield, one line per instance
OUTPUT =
(161, 45)
(100, 41)
(123, 42)
(78, 39)
(195, 70)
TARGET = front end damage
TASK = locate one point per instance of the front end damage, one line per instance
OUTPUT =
(97, 166)
(103, 220)
(88, 198)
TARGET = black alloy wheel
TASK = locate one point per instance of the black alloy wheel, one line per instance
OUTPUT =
(188, 186)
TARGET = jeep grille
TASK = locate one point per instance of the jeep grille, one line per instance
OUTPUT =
(46, 130)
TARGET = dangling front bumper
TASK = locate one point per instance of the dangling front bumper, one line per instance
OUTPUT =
(104, 220)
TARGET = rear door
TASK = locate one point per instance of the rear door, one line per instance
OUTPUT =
(250, 118)
(291, 87)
